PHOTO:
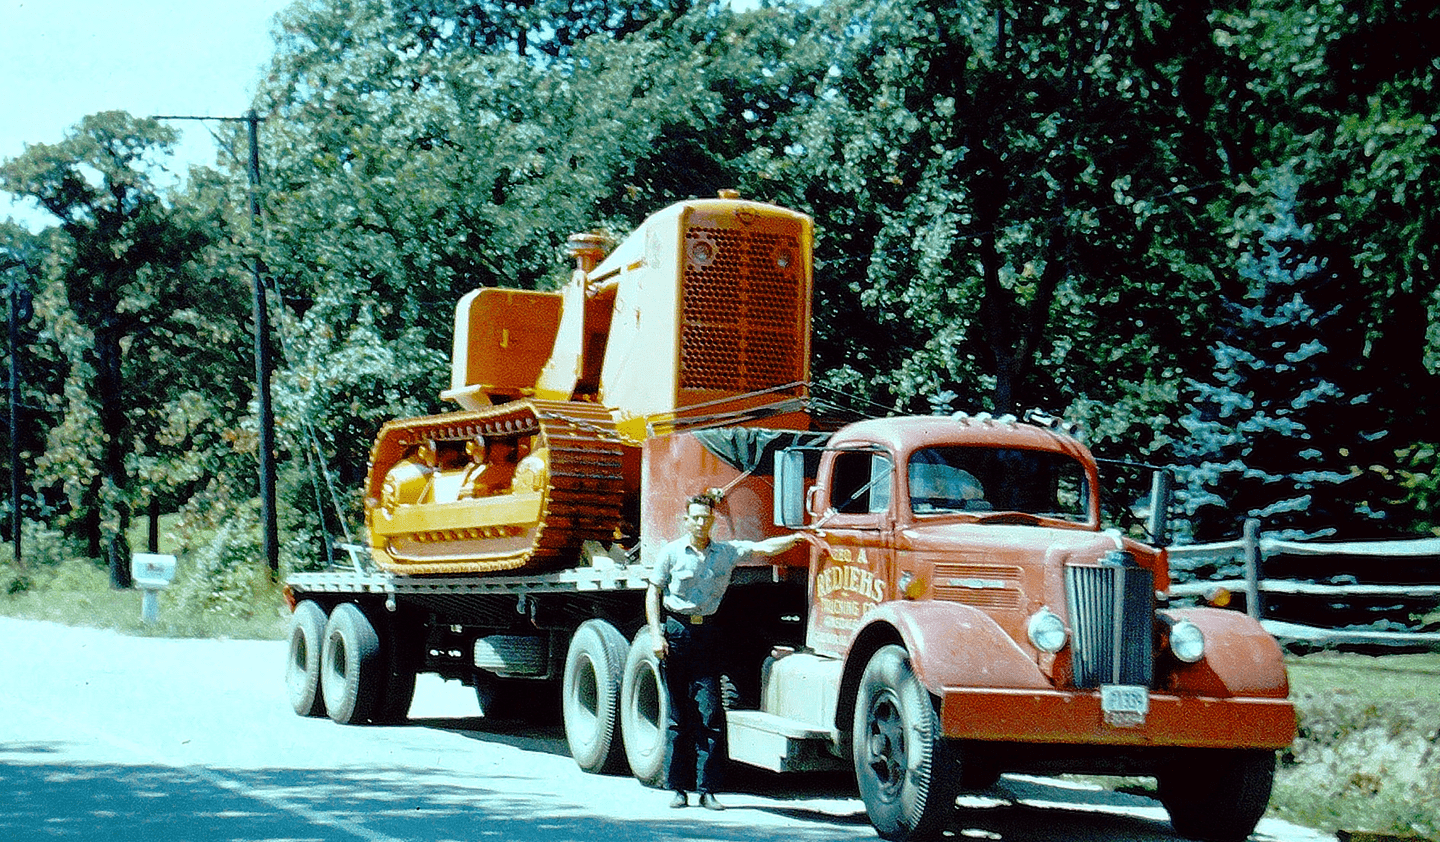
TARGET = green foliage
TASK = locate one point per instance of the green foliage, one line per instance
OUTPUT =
(1269, 431)
(1034, 205)
(223, 573)
(1419, 480)
(126, 298)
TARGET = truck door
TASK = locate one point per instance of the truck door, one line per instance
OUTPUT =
(853, 575)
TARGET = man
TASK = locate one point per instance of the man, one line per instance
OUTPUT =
(686, 586)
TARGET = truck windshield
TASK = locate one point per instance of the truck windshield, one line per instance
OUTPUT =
(944, 480)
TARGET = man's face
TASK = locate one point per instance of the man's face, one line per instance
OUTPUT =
(698, 521)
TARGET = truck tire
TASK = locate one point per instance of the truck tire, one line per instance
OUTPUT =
(352, 669)
(302, 667)
(644, 710)
(591, 696)
(904, 767)
(1217, 795)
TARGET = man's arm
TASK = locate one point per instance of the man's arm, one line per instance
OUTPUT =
(777, 545)
(652, 616)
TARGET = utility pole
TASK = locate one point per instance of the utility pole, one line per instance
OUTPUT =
(16, 517)
(270, 533)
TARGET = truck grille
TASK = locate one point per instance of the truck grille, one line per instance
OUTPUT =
(1111, 624)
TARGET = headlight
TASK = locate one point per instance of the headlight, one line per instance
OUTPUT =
(1047, 631)
(1187, 642)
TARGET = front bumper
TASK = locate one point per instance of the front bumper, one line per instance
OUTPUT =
(1075, 717)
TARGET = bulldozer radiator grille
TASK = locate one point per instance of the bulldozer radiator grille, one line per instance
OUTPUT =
(742, 310)
(1111, 624)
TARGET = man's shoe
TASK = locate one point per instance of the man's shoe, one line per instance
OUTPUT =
(708, 802)
(681, 801)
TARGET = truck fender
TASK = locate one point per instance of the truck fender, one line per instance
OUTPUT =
(1241, 658)
(949, 645)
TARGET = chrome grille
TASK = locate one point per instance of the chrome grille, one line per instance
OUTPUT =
(1111, 624)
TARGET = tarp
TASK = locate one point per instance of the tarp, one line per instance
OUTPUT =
(752, 450)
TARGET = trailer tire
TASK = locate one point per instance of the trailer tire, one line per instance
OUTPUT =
(590, 696)
(1217, 795)
(644, 711)
(302, 667)
(904, 766)
(352, 670)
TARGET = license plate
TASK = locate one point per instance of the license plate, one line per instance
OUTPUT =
(1124, 705)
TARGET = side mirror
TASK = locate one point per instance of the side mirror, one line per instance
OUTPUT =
(1162, 495)
(790, 488)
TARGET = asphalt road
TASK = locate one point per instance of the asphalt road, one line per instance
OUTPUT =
(106, 737)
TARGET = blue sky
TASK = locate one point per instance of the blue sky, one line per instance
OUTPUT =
(63, 59)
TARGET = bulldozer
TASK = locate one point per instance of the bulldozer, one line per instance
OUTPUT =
(700, 318)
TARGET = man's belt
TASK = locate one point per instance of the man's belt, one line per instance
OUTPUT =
(690, 619)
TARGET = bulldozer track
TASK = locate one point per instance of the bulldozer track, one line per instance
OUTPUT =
(582, 495)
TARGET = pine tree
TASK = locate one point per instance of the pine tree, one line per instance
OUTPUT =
(1271, 431)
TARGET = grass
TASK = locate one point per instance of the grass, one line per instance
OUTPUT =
(1368, 753)
(59, 586)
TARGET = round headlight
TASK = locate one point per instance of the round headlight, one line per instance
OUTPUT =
(1047, 631)
(1187, 642)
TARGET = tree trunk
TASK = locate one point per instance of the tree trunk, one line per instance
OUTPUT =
(109, 385)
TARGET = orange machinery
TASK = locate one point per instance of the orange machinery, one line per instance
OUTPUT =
(700, 317)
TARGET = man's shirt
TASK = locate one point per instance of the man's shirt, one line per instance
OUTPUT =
(692, 582)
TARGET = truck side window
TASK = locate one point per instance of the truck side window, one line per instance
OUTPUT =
(862, 482)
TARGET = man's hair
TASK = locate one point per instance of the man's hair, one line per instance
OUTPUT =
(709, 498)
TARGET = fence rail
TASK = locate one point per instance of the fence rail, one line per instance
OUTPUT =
(1252, 548)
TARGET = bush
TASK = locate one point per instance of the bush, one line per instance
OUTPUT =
(226, 573)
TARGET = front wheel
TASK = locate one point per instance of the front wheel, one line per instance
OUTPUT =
(904, 767)
(1217, 795)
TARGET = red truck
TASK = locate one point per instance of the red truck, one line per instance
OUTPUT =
(959, 612)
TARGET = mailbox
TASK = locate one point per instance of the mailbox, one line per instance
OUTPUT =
(152, 571)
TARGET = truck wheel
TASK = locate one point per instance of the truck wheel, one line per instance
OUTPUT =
(352, 673)
(644, 710)
(1217, 795)
(903, 765)
(302, 667)
(591, 695)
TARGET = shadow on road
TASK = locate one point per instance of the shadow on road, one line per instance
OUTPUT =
(549, 739)
(41, 799)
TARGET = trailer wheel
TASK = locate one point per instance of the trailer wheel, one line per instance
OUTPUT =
(903, 765)
(352, 671)
(644, 710)
(1217, 795)
(591, 695)
(302, 667)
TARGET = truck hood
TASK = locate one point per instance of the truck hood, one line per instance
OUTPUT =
(1024, 546)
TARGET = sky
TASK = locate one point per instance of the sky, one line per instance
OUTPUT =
(61, 60)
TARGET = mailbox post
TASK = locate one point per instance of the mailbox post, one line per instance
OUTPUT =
(152, 573)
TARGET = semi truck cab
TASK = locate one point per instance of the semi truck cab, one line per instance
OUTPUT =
(968, 615)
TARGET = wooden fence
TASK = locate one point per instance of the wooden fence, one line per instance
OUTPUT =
(1252, 548)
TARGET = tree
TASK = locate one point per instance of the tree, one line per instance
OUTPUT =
(123, 263)
(1271, 429)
